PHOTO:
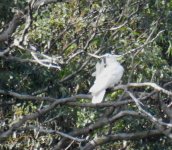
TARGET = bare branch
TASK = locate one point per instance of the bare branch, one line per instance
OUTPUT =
(34, 98)
(50, 131)
(121, 136)
(49, 62)
(34, 115)
(149, 84)
(100, 123)
(27, 97)
(118, 27)
(28, 23)
(4, 52)
(147, 114)
(6, 34)
(153, 85)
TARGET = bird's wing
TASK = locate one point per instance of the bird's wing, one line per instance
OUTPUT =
(117, 74)
(99, 68)
(98, 98)
(101, 81)
(108, 77)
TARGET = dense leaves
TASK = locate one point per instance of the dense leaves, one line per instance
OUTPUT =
(63, 33)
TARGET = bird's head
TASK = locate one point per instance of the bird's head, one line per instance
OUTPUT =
(107, 55)
(109, 58)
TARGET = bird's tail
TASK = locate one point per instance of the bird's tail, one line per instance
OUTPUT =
(98, 98)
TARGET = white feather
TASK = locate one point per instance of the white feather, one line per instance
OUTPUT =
(99, 68)
(106, 77)
(98, 97)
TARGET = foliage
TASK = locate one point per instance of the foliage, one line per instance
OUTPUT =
(71, 30)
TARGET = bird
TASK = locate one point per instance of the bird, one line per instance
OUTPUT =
(99, 68)
(108, 73)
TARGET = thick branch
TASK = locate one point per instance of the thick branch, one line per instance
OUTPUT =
(6, 34)
(27, 97)
(96, 125)
(34, 115)
(50, 131)
(121, 136)
(149, 84)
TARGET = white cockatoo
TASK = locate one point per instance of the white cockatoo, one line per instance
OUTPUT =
(108, 73)
(99, 67)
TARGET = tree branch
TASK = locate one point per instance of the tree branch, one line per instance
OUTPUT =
(101, 122)
(34, 115)
(149, 84)
(121, 136)
(6, 34)
(50, 131)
